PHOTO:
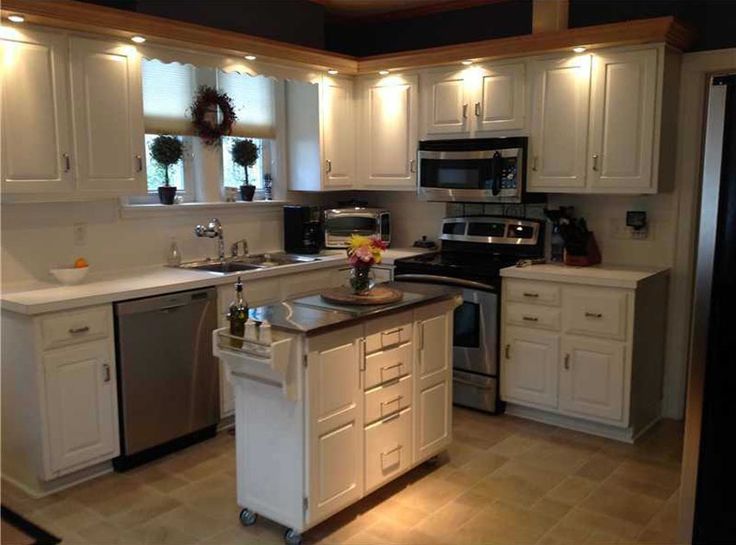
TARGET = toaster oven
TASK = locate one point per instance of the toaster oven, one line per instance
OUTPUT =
(341, 223)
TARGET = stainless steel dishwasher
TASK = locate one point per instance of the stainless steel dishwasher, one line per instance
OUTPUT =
(168, 378)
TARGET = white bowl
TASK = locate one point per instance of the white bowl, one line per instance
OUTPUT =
(70, 276)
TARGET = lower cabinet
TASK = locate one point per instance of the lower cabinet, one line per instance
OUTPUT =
(592, 378)
(530, 367)
(388, 449)
(81, 405)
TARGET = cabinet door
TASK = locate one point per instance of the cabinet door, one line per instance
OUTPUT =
(559, 134)
(444, 103)
(388, 132)
(36, 124)
(622, 116)
(108, 117)
(529, 367)
(433, 390)
(592, 378)
(338, 136)
(81, 406)
(335, 422)
(501, 102)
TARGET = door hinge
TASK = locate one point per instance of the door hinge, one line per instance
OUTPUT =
(305, 504)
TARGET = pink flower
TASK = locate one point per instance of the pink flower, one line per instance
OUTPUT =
(364, 254)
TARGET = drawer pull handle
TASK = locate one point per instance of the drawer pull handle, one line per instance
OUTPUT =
(397, 399)
(67, 162)
(396, 331)
(477, 109)
(390, 418)
(328, 166)
(106, 369)
(507, 351)
(530, 294)
(139, 161)
(567, 362)
(391, 451)
(412, 166)
(534, 163)
(361, 354)
(390, 367)
(530, 318)
(593, 315)
(77, 330)
(595, 161)
(465, 111)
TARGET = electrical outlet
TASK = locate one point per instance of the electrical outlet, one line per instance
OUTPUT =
(80, 234)
(620, 231)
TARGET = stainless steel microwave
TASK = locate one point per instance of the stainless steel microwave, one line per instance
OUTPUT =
(490, 170)
(340, 223)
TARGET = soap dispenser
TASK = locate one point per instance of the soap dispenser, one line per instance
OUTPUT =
(173, 257)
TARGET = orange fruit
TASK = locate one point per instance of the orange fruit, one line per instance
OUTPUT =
(80, 263)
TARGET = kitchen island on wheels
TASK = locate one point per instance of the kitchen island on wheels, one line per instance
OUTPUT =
(332, 402)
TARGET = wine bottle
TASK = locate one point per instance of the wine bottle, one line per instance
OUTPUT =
(237, 313)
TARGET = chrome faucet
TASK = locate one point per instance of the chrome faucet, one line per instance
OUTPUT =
(213, 230)
(234, 247)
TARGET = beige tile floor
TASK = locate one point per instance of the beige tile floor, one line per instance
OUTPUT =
(504, 481)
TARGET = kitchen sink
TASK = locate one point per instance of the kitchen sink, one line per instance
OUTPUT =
(276, 259)
(223, 267)
(247, 263)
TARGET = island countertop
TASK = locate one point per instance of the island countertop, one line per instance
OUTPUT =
(311, 315)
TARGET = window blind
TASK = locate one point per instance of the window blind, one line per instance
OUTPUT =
(168, 90)
(253, 101)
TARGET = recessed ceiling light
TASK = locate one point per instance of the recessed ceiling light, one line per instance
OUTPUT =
(16, 18)
(250, 57)
(332, 72)
(579, 49)
(467, 63)
(138, 39)
(383, 72)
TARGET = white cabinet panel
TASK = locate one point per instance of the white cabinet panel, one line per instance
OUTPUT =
(434, 420)
(388, 449)
(559, 135)
(36, 123)
(599, 312)
(108, 116)
(529, 371)
(80, 405)
(592, 379)
(388, 132)
(445, 103)
(501, 104)
(338, 134)
(622, 120)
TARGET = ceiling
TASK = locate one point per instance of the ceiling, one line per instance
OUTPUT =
(393, 9)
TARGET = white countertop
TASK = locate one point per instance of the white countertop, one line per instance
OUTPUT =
(597, 275)
(104, 288)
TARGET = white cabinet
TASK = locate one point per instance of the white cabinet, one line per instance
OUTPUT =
(36, 119)
(80, 405)
(108, 116)
(478, 99)
(592, 378)
(335, 422)
(387, 132)
(433, 387)
(530, 361)
(623, 113)
(559, 131)
(320, 135)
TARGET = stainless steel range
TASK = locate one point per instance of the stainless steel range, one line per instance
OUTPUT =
(474, 250)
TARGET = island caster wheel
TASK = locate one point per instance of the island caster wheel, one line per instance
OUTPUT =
(292, 538)
(248, 517)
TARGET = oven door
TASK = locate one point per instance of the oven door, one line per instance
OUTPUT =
(476, 175)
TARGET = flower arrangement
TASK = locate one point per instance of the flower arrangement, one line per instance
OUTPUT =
(363, 253)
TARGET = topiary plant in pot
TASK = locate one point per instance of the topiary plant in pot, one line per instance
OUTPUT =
(166, 151)
(245, 154)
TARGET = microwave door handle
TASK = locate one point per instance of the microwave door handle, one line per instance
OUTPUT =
(496, 173)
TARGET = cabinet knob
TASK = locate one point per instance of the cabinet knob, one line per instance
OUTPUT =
(465, 111)
(67, 162)
(477, 109)
(567, 362)
(507, 351)
(595, 161)
(328, 166)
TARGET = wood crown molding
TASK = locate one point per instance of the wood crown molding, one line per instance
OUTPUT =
(72, 15)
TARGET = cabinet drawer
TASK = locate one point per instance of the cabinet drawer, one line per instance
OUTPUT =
(388, 399)
(387, 365)
(597, 312)
(75, 327)
(387, 449)
(394, 330)
(539, 293)
(532, 316)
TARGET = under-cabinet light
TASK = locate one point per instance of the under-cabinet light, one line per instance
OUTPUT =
(138, 39)
(383, 72)
(579, 49)
(332, 72)
(16, 18)
(467, 63)
(250, 57)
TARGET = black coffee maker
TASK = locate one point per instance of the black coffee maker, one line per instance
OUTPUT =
(303, 229)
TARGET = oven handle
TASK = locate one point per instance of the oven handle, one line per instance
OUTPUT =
(447, 280)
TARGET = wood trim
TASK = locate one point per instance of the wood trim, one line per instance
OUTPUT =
(657, 30)
(73, 15)
(423, 10)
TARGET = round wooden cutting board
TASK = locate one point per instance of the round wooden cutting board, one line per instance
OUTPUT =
(380, 295)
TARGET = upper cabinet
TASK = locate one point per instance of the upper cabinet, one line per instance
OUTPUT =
(387, 132)
(36, 119)
(486, 98)
(320, 121)
(601, 123)
(108, 116)
(72, 118)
